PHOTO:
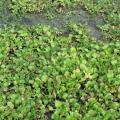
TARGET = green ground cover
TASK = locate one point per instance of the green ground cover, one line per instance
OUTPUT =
(47, 75)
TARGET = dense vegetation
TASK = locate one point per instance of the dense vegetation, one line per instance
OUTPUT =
(47, 74)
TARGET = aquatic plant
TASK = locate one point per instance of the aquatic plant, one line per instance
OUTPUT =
(47, 74)
(44, 74)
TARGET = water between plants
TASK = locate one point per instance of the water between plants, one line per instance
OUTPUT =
(60, 20)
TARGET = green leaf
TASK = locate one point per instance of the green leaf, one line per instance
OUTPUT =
(58, 104)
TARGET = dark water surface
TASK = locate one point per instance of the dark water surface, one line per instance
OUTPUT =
(60, 20)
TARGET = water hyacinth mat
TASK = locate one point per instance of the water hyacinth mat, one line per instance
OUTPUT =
(46, 75)
(50, 70)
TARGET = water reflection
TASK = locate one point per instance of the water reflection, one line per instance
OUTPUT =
(78, 16)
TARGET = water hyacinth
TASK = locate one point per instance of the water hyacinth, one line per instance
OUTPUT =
(50, 74)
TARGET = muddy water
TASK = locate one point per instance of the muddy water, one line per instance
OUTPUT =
(60, 20)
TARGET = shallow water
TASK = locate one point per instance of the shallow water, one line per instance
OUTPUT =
(60, 20)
